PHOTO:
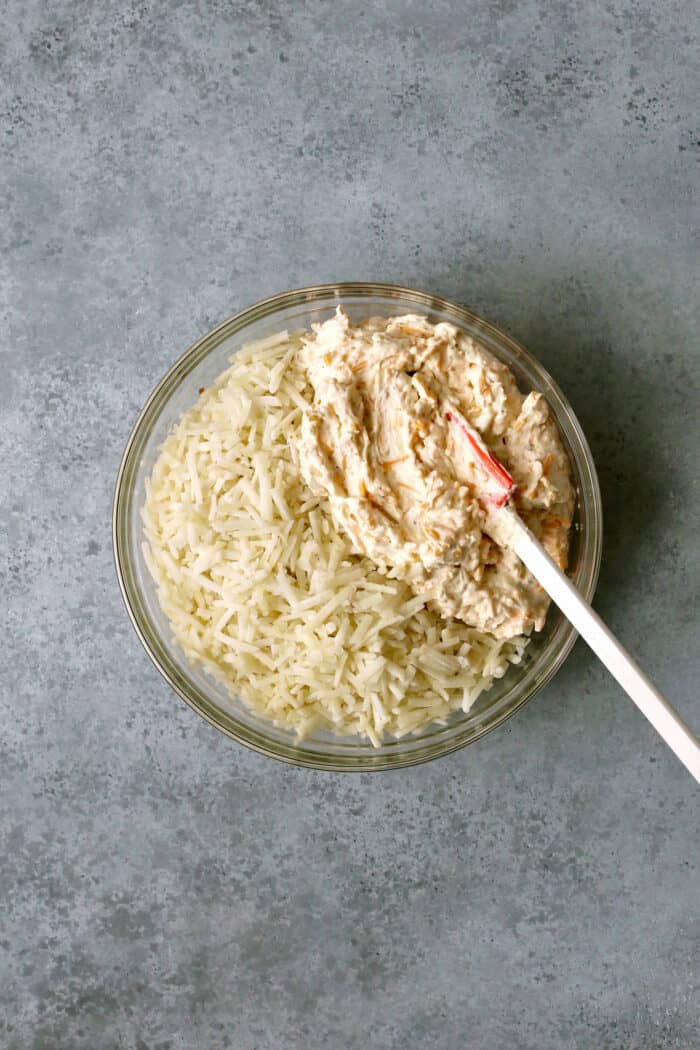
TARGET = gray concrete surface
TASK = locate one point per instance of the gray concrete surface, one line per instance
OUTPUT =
(163, 165)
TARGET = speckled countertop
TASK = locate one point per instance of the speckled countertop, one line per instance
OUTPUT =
(164, 165)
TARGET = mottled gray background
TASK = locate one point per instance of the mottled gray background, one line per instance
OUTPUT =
(163, 165)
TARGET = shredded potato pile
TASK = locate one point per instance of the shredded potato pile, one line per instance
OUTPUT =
(263, 590)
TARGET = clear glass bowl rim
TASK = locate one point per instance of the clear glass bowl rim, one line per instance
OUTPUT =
(296, 754)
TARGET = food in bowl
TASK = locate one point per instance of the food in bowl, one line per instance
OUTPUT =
(267, 587)
(379, 443)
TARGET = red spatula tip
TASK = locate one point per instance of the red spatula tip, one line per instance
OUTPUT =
(495, 470)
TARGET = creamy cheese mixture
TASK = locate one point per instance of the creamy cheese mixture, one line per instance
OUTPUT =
(379, 444)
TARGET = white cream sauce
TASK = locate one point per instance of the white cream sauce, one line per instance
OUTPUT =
(378, 444)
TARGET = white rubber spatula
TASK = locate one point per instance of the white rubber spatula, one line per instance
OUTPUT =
(510, 530)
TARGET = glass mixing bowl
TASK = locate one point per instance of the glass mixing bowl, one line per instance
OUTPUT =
(178, 390)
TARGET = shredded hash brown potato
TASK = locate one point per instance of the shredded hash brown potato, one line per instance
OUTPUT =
(263, 590)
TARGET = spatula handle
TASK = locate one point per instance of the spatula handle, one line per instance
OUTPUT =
(605, 645)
